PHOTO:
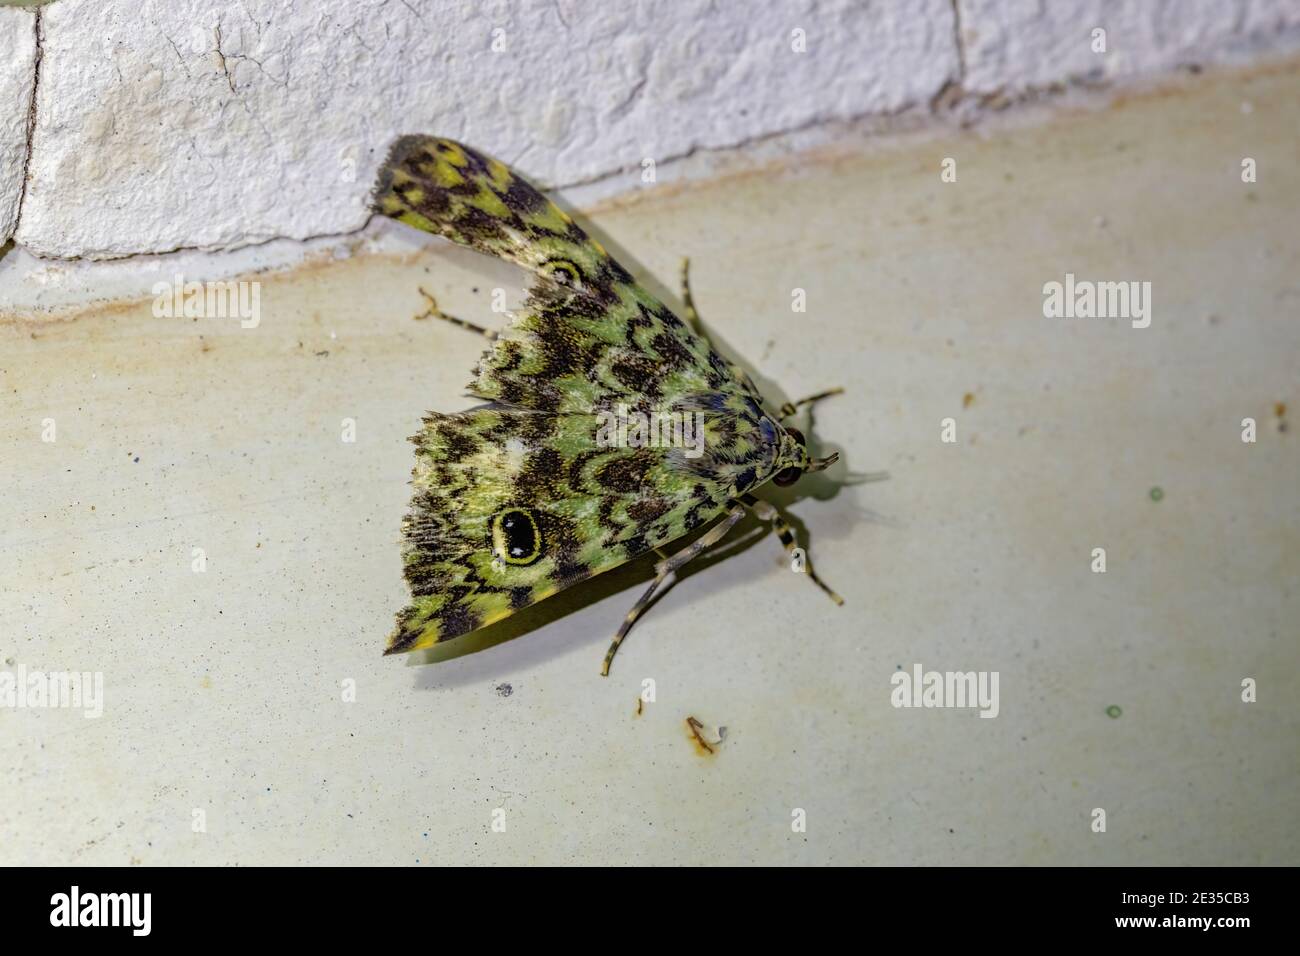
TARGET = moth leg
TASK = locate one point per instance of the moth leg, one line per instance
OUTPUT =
(692, 317)
(766, 511)
(789, 408)
(666, 576)
(434, 312)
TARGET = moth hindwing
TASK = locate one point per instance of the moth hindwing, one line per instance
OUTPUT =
(533, 491)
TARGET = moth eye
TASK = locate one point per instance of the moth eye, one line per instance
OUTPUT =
(516, 539)
(787, 476)
(564, 272)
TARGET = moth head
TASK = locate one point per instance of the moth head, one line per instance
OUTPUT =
(796, 460)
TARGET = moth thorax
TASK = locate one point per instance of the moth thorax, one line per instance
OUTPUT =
(516, 537)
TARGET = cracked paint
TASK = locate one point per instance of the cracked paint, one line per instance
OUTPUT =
(161, 125)
(258, 101)
(18, 52)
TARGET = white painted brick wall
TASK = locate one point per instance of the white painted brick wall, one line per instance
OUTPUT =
(17, 72)
(170, 123)
(212, 124)
(1014, 45)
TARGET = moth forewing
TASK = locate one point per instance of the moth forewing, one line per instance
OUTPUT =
(518, 499)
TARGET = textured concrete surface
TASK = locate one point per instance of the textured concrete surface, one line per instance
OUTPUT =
(17, 74)
(225, 690)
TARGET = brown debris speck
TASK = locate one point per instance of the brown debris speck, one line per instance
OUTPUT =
(694, 726)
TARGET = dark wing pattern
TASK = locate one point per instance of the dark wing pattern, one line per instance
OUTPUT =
(518, 499)
(589, 336)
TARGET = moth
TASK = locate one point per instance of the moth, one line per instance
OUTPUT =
(527, 494)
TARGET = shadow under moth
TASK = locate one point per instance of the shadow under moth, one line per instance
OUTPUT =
(546, 485)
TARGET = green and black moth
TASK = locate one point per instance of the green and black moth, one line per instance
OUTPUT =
(518, 498)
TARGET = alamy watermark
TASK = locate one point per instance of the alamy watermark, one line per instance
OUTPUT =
(960, 689)
(625, 428)
(1085, 299)
(70, 690)
(236, 299)
(130, 910)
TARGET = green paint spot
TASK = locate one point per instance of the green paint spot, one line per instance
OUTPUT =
(1113, 711)
(1157, 493)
